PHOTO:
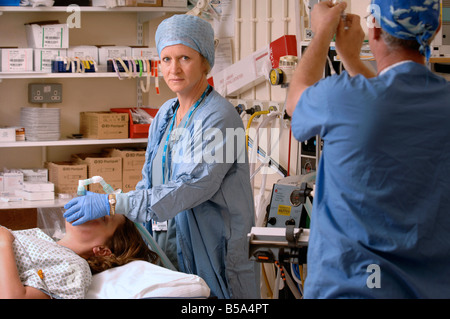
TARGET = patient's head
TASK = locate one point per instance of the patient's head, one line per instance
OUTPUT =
(108, 242)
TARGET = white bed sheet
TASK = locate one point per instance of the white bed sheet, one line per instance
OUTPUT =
(140, 279)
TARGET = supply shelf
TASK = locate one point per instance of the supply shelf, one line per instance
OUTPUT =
(92, 9)
(142, 16)
(40, 75)
(24, 204)
(73, 142)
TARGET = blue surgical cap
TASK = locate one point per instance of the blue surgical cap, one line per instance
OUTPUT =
(408, 19)
(189, 30)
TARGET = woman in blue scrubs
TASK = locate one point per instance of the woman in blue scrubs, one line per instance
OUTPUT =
(196, 183)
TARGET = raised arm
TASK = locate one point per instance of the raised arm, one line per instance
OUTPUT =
(324, 21)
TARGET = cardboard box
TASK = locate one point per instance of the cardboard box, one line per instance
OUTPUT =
(110, 168)
(149, 3)
(65, 176)
(104, 125)
(47, 35)
(175, 3)
(43, 58)
(16, 60)
(132, 163)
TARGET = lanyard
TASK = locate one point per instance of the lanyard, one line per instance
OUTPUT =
(207, 91)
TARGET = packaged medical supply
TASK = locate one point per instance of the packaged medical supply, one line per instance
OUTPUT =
(73, 65)
(12, 180)
(47, 35)
(38, 187)
(111, 52)
(104, 125)
(175, 3)
(41, 124)
(43, 58)
(87, 52)
(35, 196)
(34, 175)
(144, 53)
(149, 3)
(16, 59)
(7, 134)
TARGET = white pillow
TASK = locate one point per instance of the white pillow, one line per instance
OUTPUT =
(140, 279)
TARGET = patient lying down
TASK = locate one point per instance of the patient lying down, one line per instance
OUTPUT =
(33, 265)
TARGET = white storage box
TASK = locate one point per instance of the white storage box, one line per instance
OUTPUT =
(12, 181)
(145, 53)
(34, 187)
(43, 58)
(112, 52)
(36, 175)
(175, 3)
(83, 52)
(7, 134)
(16, 60)
(41, 35)
(35, 195)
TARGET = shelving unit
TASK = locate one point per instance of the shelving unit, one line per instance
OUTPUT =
(143, 15)
(73, 142)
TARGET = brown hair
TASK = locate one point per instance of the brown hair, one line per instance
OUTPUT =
(126, 245)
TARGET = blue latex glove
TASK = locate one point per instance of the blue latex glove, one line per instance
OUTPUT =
(85, 208)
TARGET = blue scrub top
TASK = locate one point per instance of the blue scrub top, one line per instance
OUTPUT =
(381, 219)
(208, 195)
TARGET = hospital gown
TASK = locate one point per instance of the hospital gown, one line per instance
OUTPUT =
(208, 194)
(66, 274)
(381, 219)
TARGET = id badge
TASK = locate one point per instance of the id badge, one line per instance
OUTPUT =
(159, 226)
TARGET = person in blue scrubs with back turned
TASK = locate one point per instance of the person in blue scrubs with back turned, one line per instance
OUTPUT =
(196, 175)
(381, 219)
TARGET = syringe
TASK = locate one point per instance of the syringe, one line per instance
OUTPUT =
(343, 14)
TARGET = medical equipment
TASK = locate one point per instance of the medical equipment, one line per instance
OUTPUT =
(441, 43)
(95, 179)
(283, 74)
(203, 7)
(291, 202)
(283, 239)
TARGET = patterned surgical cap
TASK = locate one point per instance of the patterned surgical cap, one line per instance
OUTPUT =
(408, 19)
(189, 30)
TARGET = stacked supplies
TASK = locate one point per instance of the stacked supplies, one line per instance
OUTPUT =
(41, 124)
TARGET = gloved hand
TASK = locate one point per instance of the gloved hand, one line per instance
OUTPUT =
(85, 208)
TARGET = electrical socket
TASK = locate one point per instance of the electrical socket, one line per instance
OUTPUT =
(45, 93)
